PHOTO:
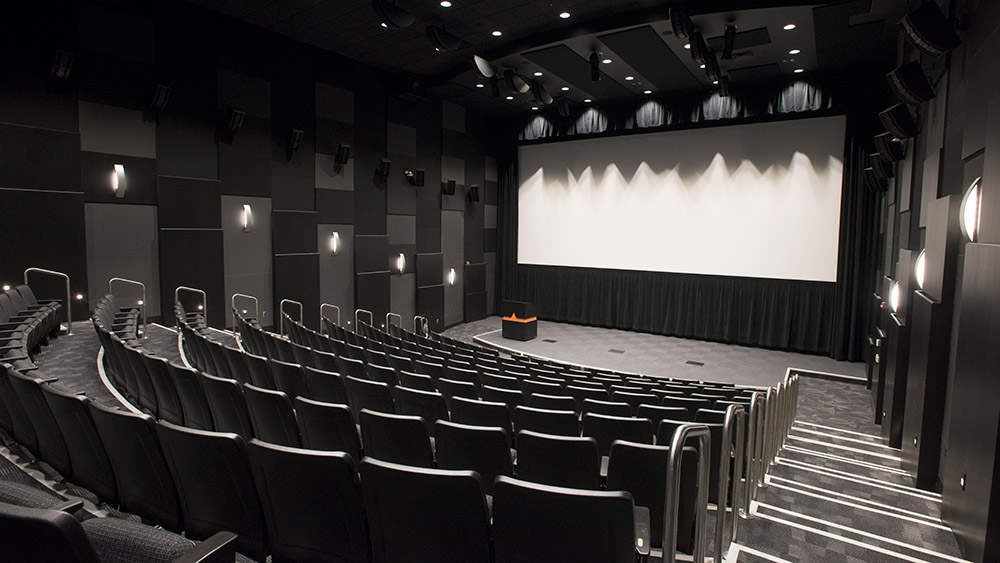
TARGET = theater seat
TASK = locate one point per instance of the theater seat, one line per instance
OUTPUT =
(483, 449)
(562, 461)
(396, 438)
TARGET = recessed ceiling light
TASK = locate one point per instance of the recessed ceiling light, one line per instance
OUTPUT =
(445, 4)
(789, 26)
(687, 45)
(479, 85)
(702, 65)
(510, 97)
(534, 108)
(497, 33)
(606, 61)
(538, 73)
(647, 91)
(799, 70)
(715, 82)
(586, 100)
(565, 88)
(564, 15)
(794, 51)
(383, 24)
(629, 77)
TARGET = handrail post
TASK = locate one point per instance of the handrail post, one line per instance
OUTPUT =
(256, 306)
(371, 318)
(204, 299)
(281, 313)
(322, 328)
(733, 418)
(423, 324)
(69, 293)
(391, 315)
(740, 439)
(753, 433)
(141, 303)
(673, 486)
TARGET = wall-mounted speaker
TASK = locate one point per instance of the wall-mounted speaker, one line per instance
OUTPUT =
(929, 30)
(724, 86)
(383, 168)
(699, 50)
(889, 147)
(899, 121)
(161, 96)
(910, 83)
(448, 188)
(883, 169)
(728, 41)
(473, 193)
(416, 177)
(564, 107)
(874, 183)
(343, 153)
(233, 121)
(62, 66)
(295, 139)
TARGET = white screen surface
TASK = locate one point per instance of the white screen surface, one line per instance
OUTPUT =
(759, 200)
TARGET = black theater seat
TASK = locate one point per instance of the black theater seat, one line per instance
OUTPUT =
(483, 449)
(481, 413)
(428, 405)
(396, 438)
(229, 408)
(324, 386)
(558, 460)
(194, 403)
(560, 423)
(327, 426)
(606, 429)
(272, 416)
(51, 447)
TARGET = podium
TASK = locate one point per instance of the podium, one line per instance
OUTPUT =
(519, 320)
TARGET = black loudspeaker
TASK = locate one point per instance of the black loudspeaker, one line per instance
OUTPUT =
(874, 183)
(929, 30)
(416, 177)
(728, 41)
(161, 96)
(383, 168)
(899, 121)
(448, 188)
(233, 121)
(390, 15)
(679, 21)
(910, 83)
(473, 193)
(883, 169)
(712, 66)
(343, 154)
(295, 139)
(699, 50)
(889, 147)
(723, 86)
(595, 67)
(62, 66)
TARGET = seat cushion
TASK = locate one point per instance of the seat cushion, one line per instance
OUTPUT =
(122, 541)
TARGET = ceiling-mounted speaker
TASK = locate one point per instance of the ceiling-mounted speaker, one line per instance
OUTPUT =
(483, 67)
(392, 16)
(416, 177)
(161, 96)
(929, 30)
(448, 188)
(540, 94)
(882, 168)
(516, 82)
(595, 67)
(889, 147)
(712, 66)
(563, 106)
(442, 39)
(873, 182)
(699, 50)
(62, 66)
(473, 193)
(233, 121)
(910, 83)
(899, 121)
(680, 23)
(728, 41)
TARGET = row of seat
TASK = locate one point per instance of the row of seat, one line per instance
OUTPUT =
(25, 323)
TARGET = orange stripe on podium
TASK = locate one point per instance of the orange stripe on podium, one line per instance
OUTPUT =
(513, 318)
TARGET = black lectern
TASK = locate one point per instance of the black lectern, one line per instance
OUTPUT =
(519, 320)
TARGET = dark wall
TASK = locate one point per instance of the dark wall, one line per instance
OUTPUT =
(60, 140)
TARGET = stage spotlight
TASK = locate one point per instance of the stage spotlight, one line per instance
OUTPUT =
(392, 16)
(483, 67)
(729, 39)
(540, 94)
(910, 83)
(595, 67)
(516, 82)
(899, 121)
(699, 50)
(929, 30)
(889, 147)
(442, 39)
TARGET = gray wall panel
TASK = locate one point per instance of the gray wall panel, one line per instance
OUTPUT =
(329, 177)
(248, 255)
(491, 273)
(403, 297)
(452, 116)
(453, 249)
(402, 229)
(116, 130)
(135, 257)
(336, 273)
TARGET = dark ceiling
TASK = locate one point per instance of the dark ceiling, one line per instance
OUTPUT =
(636, 35)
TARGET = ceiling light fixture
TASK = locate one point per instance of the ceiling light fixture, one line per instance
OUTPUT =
(606, 61)
(789, 27)
(445, 4)
(647, 91)
(510, 97)
(629, 77)
(480, 85)
(538, 73)
(715, 82)
(587, 100)
(534, 108)
(702, 65)
(799, 70)
(497, 33)
(565, 88)
(795, 51)
(687, 45)
(564, 15)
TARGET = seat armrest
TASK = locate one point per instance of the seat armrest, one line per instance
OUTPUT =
(604, 468)
(219, 548)
(69, 507)
(642, 537)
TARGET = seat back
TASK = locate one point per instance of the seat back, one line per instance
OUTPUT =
(709, 415)
(634, 400)
(144, 384)
(197, 412)
(272, 416)
(552, 402)
(290, 479)
(168, 403)
(418, 514)
(237, 365)
(381, 373)
(51, 446)
(288, 378)
(483, 449)
(396, 438)
(90, 463)
(229, 409)
(607, 429)
(480, 413)
(351, 367)
(260, 371)
(415, 381)
(215, 485)
(327, 427)
(590, 525)
(372, 395)
(560, 423)
(562, 461)
(145, 485)
(427, 405)
(656, 414)
(608, 408)
(325, 386)
(451, 389)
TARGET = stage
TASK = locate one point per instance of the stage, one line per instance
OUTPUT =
(655, 355)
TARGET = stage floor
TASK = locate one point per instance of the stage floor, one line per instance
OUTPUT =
(655, 355)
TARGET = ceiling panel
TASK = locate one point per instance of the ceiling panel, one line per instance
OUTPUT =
(643, 50)
(575, 70)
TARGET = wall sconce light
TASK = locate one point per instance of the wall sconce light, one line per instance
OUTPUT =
(451, 276)
(247, 218)
(401, 263)
(920, 268)
(335, 243)
(970, 211)
(894, 297)
(118, 180)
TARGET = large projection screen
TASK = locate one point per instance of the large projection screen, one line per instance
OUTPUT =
(759, 200)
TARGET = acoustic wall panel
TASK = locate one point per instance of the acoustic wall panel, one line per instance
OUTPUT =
(188, 203)
(403, 297)
(430, 268)
(248, 254)
(293, 106)
(330, 175)
(296, 277)
(115, 130)
(428, 225)
(371, 253)
(294, 232)
(330, 134)
(491, 272)
(373, 294)
(113, 81)
(141, 181)
(452, 248)
(401, 195)
(123, 241)
(990, 206)
(430, 304)
(335, 206)
(369, 148)
(401, 140)
(194, 258)
(333, 103)
(452, 116)
(336, 272)
(121, 33)
(39, 159)
(402, 229)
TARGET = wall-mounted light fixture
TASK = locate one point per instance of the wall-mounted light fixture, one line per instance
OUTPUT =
(451, 276)
(894, 297)
(970, 212)
(79, 297)
(401, 263)
(335, 243)
(920, 268)
(6, 287)
(118, 180)
(247, 218)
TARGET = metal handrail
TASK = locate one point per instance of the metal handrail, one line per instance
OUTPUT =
(673, 487)
(322, 328)
(142, 303)
(754, 440)
(281, 313)
(734, 416)
(425, 323)
(391, 315)
(371, 318)
(256, 306)
(204, 299)
(69, 295)
(738, 453)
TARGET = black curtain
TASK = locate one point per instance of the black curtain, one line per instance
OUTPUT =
(811, 317)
